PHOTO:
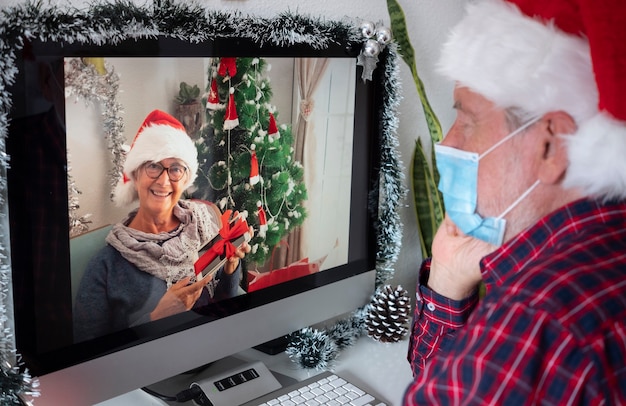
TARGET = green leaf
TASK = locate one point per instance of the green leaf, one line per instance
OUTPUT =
(401, 35)
(428, 203)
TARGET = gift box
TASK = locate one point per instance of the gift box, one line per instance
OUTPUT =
(303, 267)
(232, 235)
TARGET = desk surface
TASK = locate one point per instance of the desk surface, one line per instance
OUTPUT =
(382, 367)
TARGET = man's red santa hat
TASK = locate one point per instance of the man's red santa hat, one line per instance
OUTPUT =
(557, 55)
(160, 136)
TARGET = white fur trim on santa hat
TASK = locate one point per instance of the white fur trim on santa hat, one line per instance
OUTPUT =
(517, 61)
(597, 158)
(155, 143)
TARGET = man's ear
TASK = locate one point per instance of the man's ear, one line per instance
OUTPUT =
(555, 128)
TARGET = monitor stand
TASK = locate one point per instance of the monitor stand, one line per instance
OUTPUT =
(275, 346)
(229, 381)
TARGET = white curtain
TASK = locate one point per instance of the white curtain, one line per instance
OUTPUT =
(308, 72)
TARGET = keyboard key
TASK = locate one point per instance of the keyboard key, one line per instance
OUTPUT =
(322, 399)
(317, 391)
(352, 395)
(338, 382)
(298, 400)
(342, 400)
(354, 389)
(307, 395)
(363, 400)
(331, 394)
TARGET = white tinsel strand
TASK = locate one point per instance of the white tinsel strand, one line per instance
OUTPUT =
(78, 224)
(345, 332)
(84, 82)
(114, 22)
(312, 349)
(15, 383)
(391, 191)
(10, 382)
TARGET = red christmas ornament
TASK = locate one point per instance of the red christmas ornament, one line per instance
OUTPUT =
(272, 130)
(262, 219)
(213, 101)
(228, 66)
(231, 120)
(254, 169)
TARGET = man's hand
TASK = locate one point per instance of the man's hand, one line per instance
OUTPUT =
(454, 268)
(180, 297)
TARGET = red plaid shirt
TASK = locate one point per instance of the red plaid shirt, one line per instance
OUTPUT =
(551, 328)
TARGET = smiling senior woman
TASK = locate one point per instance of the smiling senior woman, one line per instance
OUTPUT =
(145, 272)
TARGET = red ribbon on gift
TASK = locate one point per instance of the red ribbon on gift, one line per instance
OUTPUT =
(224, 247)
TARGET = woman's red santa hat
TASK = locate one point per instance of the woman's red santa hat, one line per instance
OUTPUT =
(557, 55)
(160, 136)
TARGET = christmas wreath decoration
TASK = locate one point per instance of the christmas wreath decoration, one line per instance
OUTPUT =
(113, 22)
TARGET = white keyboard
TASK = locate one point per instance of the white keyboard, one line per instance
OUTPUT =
(326, 388)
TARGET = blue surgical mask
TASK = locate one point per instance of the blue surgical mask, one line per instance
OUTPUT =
(458, 183)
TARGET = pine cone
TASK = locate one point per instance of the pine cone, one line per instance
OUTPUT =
(388, 314)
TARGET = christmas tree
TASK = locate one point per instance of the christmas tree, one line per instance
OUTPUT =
(246, 160)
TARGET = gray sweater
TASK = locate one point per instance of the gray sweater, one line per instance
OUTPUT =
(114, 295)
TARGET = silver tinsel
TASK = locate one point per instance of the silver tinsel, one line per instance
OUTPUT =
(84, 82)
(312, 349)
(78, 224)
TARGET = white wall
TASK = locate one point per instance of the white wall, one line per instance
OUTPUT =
(428, 23)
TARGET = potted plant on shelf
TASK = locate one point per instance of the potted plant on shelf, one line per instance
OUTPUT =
(189, 108)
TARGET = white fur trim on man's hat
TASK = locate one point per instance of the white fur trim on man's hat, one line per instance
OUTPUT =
(516, 60)
(160, 136)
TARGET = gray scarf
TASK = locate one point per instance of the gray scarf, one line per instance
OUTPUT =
(168, 256)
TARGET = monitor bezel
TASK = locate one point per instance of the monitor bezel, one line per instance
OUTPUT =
(162, 45)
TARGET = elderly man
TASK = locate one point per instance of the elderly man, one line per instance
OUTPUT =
(533, 177)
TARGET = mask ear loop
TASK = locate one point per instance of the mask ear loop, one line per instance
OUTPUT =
(508, 137)
(519, 199)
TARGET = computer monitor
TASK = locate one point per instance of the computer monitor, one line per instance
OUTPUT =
(41, 256)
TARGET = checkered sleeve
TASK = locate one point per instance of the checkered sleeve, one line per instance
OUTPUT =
(435, 321)
(515, 354)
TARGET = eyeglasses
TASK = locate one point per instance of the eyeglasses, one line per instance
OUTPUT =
(155, 169)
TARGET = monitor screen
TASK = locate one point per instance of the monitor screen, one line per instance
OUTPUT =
(65, 137)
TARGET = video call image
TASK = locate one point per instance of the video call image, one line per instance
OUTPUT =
(312, 106)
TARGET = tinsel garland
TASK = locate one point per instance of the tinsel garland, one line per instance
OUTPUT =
(84, 82)
(391, 191)
(111, 23)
